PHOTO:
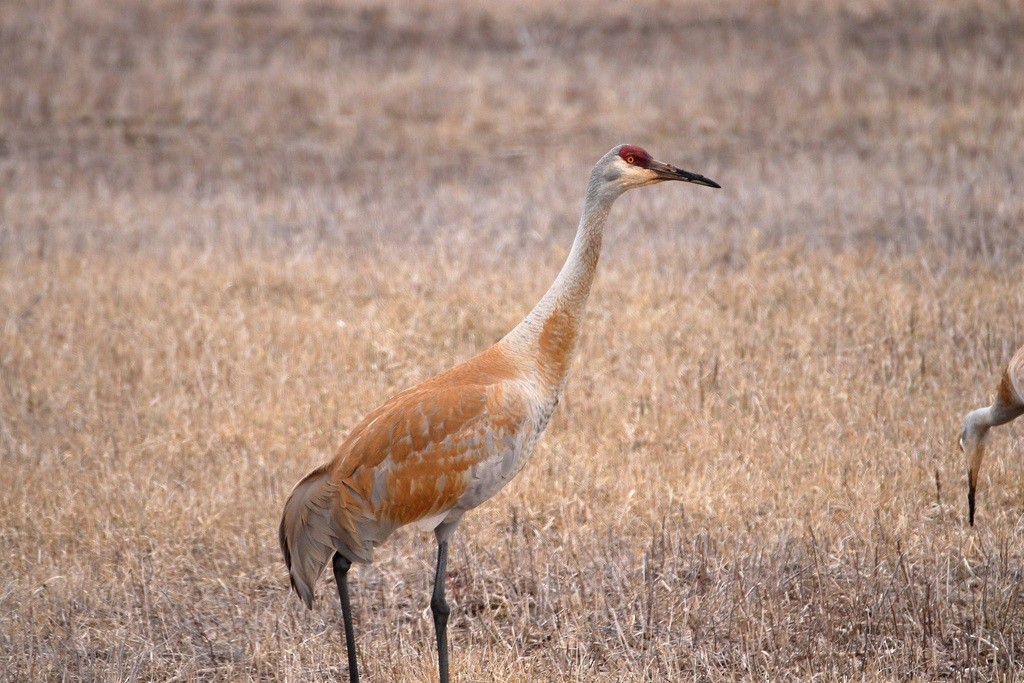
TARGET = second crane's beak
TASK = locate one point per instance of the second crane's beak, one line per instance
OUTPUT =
(669, 172)
(972, 486)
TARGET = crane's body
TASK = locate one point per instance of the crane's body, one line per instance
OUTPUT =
(1008, 405)
(442, 447)
(425, 456)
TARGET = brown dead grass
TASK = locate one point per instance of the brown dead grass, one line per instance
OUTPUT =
(229, 229)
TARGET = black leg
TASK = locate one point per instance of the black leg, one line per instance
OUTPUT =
(439, 607)
(341, 565)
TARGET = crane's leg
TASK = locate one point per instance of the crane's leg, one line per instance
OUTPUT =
(341, 566)
(439, 606)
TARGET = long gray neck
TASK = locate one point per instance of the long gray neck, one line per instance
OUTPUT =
(551, 330)
(982, 419)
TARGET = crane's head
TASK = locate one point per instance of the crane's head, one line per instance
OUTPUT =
(629, 166)
(972, 445)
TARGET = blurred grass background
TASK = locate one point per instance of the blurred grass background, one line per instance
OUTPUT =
(231, 228)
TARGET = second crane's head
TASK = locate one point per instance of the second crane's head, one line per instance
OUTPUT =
(629, 166)
(972, 445)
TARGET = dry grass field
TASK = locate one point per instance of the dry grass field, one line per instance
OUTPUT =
(231, 228)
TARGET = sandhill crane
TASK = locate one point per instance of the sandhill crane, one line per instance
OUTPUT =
(1008, 405)
(442, 447)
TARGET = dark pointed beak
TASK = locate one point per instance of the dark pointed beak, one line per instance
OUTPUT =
(972, 482)
(970, 504)
(669, 172)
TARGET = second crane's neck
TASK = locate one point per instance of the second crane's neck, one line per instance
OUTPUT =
(550, 333)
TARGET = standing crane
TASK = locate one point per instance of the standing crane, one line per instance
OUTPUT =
(1008, 405)
(444, 446)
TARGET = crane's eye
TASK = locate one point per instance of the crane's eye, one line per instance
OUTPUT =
(630, 159)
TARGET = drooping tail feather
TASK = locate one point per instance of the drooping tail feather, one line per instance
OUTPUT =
(308, 532)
